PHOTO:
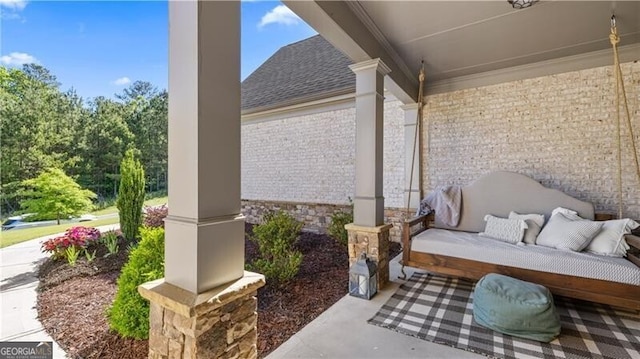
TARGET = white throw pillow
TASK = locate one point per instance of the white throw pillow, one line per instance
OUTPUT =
(565, 233)
(567, 212)
(534, 225)
(610, 241)
(504, 229)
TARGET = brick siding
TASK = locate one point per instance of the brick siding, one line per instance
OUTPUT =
(311, 158)
(559, 130)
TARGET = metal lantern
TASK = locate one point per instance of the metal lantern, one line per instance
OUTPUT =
(521, 4)
(363, 278)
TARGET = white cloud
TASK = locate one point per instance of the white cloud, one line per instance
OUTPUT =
(18, 59)
(13, 4)
(9, 15)
(279, 15)
(122, 81)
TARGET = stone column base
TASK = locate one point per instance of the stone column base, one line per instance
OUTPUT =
(220, 323)
(374, 241)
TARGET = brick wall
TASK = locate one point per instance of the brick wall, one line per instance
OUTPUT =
(311, 158)
(559, 130)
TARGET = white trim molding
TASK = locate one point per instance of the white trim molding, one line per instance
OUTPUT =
(543, 68)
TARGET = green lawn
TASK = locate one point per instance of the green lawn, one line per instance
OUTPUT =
(8, 238)
(150, 202)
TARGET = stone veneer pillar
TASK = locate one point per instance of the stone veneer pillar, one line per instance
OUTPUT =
(367, 232)
(374, 241)
(220, 323)
(205, 307)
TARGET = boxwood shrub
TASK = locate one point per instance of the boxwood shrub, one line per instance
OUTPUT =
(278, 261)
(129, 314)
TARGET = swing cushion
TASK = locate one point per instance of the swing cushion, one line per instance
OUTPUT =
(514, 307)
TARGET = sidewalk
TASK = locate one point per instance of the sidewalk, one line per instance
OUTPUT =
(18, 283)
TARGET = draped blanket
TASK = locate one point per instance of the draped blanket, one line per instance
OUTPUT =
(445, 201)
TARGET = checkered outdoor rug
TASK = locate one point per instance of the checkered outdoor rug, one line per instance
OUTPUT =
(439, 309)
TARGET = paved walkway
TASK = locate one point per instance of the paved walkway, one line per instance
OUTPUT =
(18, 283)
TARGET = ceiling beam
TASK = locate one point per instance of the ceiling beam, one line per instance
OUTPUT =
(337, 22)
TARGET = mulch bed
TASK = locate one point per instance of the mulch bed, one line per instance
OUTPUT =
(72, 300)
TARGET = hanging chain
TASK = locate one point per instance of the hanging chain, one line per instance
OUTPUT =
(620, 90)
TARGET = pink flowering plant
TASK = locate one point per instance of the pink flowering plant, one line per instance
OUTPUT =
(78, 237)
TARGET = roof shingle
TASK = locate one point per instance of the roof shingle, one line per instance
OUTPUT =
(303, 70)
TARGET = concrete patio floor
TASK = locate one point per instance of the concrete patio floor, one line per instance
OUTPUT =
(342, 332)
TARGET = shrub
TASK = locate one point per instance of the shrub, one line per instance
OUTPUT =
(275, 237)
(79, 237)
(156, 194)
(104, 202)
(129, 314)
(336, 227)
(130, 195)
(154, 216)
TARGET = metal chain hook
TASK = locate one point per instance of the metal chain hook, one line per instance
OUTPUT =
(613, 36)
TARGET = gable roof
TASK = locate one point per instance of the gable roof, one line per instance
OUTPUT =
(306, 70)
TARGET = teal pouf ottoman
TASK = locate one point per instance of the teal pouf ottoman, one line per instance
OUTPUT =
(515, 307)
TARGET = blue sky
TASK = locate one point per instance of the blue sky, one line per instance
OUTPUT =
(99, 47)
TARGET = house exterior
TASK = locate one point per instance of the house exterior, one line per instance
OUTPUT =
(298, 137)
(522, 90)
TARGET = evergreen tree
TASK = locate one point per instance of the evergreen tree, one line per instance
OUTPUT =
(106, 138)
(131, 195)
(42, 127)
(38, 128)
(146, 116)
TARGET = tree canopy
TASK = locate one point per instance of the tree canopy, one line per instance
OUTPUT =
(53, 194)
(43, 127)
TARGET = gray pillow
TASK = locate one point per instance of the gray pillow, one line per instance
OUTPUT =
(504, 229)
(534, 225)
(565, 233)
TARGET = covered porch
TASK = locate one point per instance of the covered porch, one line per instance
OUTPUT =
(464, 45)
(342, 331)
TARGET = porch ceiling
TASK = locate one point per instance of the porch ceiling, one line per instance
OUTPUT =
(474, 43)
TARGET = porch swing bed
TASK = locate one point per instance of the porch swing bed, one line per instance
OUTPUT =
(460, 251)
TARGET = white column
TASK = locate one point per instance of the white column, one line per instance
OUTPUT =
(411, 157)
(368, 201)
(204, 230)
